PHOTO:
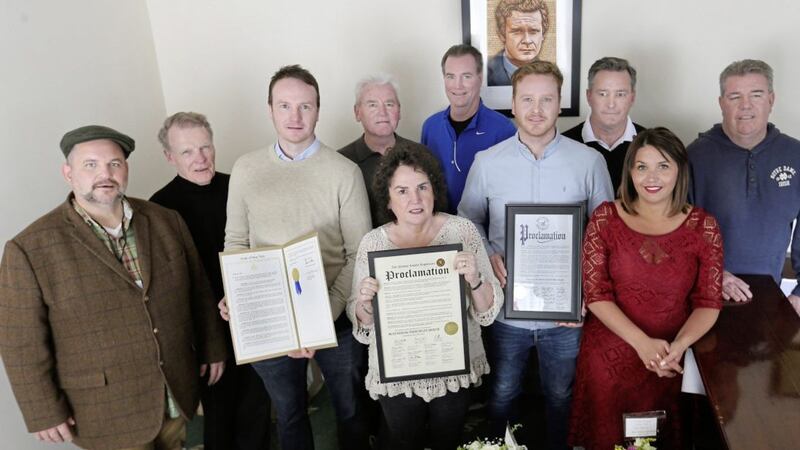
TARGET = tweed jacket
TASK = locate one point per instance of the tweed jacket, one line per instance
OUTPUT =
(79, 338)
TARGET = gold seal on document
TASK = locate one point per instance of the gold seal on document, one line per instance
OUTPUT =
(440, 262)
(451, 328)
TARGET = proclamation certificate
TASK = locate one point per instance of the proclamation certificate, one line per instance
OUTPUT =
(543, 254)
(277, 300)
(261, 317)
(420, 313)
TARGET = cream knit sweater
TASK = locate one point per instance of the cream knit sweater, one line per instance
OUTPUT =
(271, 202)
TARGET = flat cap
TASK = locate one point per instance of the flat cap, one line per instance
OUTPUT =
(94, 132)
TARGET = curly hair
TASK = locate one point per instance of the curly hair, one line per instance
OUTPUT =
(421, 160)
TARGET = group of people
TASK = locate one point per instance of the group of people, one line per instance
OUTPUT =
(112, 308)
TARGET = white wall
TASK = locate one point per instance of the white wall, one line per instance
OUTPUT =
(217, 58)
(679, 49)
(66, 64)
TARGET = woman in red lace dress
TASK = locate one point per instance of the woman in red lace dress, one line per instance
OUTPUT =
(652, 273)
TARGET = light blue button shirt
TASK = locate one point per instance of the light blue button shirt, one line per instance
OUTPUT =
(305, 154)
(568, 172)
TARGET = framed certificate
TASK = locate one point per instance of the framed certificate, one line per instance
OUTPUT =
(420, 313)
(543, 259)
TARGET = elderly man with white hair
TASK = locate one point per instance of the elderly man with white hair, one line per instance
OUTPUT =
(377, 108)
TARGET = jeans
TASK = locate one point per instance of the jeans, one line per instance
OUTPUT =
(509, 349)
(285, 380)
(406, 419)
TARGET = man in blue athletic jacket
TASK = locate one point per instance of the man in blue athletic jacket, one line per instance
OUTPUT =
(466, 126)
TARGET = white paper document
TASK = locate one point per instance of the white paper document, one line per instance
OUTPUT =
(277, 299)
(543, 263)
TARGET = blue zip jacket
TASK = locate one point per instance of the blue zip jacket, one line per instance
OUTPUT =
(488, 127)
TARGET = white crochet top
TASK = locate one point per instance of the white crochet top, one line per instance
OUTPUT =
(455, 230)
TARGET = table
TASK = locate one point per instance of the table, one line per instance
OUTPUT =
(750, 366)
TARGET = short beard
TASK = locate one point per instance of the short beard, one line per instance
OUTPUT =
(89, 197)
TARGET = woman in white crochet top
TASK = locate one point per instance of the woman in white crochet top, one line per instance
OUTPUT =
(409, 188)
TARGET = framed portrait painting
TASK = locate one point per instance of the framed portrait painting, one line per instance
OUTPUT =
(510, 33)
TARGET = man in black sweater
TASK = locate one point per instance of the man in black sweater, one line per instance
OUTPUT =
(236, 409)
(609, 129)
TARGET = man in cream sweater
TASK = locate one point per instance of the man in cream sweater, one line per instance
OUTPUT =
(296, 186)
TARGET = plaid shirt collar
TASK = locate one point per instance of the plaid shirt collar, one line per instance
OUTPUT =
(122, 247)
(127, 214)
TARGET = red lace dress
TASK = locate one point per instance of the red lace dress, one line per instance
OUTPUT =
(656, 281)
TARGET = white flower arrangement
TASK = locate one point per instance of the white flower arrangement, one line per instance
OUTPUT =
(509, 443)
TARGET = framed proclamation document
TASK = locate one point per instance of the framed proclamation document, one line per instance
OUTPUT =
(543, 259)
(420, 313)
(277, 300)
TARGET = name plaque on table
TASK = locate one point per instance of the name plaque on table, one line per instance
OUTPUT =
(543, 260)
(420, 313)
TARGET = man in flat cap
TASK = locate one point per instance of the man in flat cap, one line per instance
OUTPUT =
(107, 319)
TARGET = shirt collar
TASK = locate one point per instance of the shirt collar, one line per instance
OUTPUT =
(305, 154)
(551, 147)
(363, 151)
(587, 133)
(127, 214)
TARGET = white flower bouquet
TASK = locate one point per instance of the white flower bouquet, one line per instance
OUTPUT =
(509, 443)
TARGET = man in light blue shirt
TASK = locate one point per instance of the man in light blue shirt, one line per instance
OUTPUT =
(536, 165)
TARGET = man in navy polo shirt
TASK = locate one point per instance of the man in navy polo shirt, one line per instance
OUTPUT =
(466, 126)
(745, 173)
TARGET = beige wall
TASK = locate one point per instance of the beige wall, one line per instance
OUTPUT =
(128, 63)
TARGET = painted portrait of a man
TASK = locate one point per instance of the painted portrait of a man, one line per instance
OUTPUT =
(521, 27)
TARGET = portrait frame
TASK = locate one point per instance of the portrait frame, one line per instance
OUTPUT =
(565, 30)
(547, 269)
(429, 346)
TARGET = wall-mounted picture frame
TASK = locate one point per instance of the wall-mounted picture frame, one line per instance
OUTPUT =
(512, 32)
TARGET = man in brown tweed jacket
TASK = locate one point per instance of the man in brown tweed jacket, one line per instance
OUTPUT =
(106, 316)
